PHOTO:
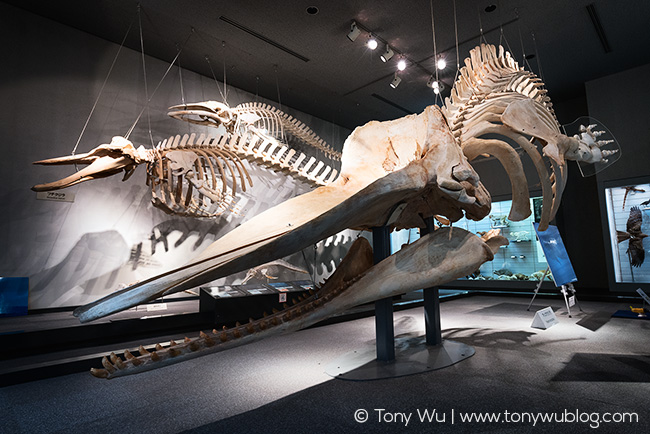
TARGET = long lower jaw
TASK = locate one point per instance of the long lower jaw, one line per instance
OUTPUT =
(436, 258)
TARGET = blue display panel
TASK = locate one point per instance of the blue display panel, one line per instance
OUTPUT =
(556, 255)
(14, 292)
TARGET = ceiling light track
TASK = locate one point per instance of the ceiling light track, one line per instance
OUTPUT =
(391, 103)
(598, 26)
(263, 38)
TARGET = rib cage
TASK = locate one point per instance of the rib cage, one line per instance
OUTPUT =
(486, 85)
(208, 183)
(218, 167)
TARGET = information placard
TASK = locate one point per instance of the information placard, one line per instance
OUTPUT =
(544, 318)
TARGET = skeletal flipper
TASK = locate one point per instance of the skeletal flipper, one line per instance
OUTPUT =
(494, 96)
(268, 136)
(441, 256)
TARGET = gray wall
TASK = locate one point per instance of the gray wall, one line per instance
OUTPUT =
(621, 102)
(76, 252)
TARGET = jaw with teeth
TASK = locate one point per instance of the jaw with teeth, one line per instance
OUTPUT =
(427, 262)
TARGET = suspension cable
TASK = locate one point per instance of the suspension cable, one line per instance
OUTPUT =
(157, 87)
(101, 90)
(144, 73)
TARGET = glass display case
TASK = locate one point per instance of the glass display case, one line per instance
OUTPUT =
(629, 225)
(521, 260)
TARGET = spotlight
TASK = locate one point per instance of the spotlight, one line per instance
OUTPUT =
(396, 81)
(372, 42)
(385, 57)
(441, 64)
(354, 32)
(401, 65)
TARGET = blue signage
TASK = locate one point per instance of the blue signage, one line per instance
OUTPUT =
(556, 255)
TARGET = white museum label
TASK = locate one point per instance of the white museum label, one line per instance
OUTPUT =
(544, 318)
(572, 301)
(156, 306)
(283, 297)
(58, 196)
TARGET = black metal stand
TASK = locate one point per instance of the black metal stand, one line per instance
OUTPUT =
(383, 308)
(415, 354)
(565, 290)
(431, 303)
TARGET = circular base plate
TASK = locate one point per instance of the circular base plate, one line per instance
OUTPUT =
(412, 356)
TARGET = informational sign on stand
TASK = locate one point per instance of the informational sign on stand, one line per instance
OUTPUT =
(556, 255)
(544, 318)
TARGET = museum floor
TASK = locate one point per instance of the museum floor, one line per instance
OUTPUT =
(586, 367)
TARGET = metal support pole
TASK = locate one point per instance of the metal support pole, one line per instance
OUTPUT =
(432, 316)
(383, 308)
(566, 300)
(431, 302)
(539, 285)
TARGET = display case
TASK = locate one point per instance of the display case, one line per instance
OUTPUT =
(628, 226)
(521, 260)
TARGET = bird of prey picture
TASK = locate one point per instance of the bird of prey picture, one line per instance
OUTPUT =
(635, 236)
(631, 189)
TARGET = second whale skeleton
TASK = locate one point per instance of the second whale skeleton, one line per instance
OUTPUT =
(394, 173)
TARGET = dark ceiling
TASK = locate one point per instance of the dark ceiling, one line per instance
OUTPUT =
(280, 51)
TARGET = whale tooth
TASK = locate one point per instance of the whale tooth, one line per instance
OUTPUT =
(117, 361)
(106, 364)
(99, 373)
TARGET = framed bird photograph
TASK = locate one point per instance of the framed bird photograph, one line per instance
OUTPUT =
(628, 214)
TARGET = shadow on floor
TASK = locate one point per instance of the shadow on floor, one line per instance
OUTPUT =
(606, 367)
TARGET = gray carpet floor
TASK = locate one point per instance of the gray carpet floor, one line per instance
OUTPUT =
(590, 367)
